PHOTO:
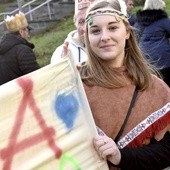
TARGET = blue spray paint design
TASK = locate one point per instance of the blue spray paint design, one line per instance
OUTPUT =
(66, 107)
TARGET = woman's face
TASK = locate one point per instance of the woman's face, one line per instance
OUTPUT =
(107, 37)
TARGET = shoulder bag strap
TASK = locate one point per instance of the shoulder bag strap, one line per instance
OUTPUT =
(127, 115)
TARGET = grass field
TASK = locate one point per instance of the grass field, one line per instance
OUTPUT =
(47, 41)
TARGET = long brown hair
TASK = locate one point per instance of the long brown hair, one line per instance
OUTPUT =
(94, 72)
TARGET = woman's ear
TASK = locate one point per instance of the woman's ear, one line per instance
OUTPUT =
(128, 34)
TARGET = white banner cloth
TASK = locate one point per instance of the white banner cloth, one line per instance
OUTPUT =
(46, 122)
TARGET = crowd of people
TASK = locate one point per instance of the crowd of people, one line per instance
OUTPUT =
(152, 26)
(124, 63)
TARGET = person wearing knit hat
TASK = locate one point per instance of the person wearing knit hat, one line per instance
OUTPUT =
(75, 38)
(17, 56)
(153, 25)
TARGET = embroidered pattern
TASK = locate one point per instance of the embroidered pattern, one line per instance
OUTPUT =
(143, 126)
(106, 12)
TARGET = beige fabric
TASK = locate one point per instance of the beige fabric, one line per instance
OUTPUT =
(40, 130)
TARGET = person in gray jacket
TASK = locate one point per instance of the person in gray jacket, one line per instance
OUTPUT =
(75, 38)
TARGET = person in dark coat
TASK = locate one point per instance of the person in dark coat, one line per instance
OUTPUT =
(153, 25)
(16, 53)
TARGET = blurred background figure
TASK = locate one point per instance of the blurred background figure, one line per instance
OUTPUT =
(16, 53)
(130, 6)
(76, 37)
(154, 33)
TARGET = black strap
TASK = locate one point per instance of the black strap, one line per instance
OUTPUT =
(127, 116)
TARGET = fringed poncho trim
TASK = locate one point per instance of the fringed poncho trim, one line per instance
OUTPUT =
(153, 125)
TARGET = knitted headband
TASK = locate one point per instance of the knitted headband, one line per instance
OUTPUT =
(108, 11)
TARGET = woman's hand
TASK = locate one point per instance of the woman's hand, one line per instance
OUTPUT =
(107, 149)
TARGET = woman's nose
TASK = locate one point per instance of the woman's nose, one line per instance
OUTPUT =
(105, 36)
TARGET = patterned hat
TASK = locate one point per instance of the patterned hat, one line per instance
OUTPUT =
(81, 4)
(15, 23)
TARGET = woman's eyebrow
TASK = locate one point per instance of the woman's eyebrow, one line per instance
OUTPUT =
(110, 23)
(93, 26)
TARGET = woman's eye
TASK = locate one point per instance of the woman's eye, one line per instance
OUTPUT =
(113, 28)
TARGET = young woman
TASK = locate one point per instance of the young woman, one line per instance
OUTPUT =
(129, 102)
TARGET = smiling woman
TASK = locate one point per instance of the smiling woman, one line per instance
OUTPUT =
(119, 84)
(108, 38)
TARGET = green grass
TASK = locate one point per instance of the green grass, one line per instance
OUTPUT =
(167, 6)
(47, 41)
